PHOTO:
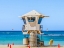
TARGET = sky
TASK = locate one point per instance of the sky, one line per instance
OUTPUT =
(11, 9)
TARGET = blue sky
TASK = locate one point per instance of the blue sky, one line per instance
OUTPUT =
(11, 9)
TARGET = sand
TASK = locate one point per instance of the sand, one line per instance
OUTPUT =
(20, 46)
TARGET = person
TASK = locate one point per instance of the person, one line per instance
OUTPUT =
(28, 46)
(58, 45)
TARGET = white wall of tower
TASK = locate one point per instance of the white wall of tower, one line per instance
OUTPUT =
(32, 25)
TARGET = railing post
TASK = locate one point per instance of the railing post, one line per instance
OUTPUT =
(23, 27)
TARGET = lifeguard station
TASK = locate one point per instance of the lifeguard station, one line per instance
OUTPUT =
(32, 27)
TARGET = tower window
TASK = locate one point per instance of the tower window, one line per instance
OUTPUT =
(31, 19)
(28, 18)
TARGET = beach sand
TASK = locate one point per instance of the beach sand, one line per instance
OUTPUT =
(20, 46)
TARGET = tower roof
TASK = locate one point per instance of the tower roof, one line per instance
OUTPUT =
(33, 12)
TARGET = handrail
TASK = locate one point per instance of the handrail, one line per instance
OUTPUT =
(41, 27)
(23, 27)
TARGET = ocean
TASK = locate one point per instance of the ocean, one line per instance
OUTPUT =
(17, 36)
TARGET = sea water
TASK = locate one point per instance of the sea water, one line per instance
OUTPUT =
(11, 37)
(16, 37)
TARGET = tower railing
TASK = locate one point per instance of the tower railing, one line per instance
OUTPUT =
(23, 28)
(41, 27)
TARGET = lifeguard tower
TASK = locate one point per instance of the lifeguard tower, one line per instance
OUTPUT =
(32, 27)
